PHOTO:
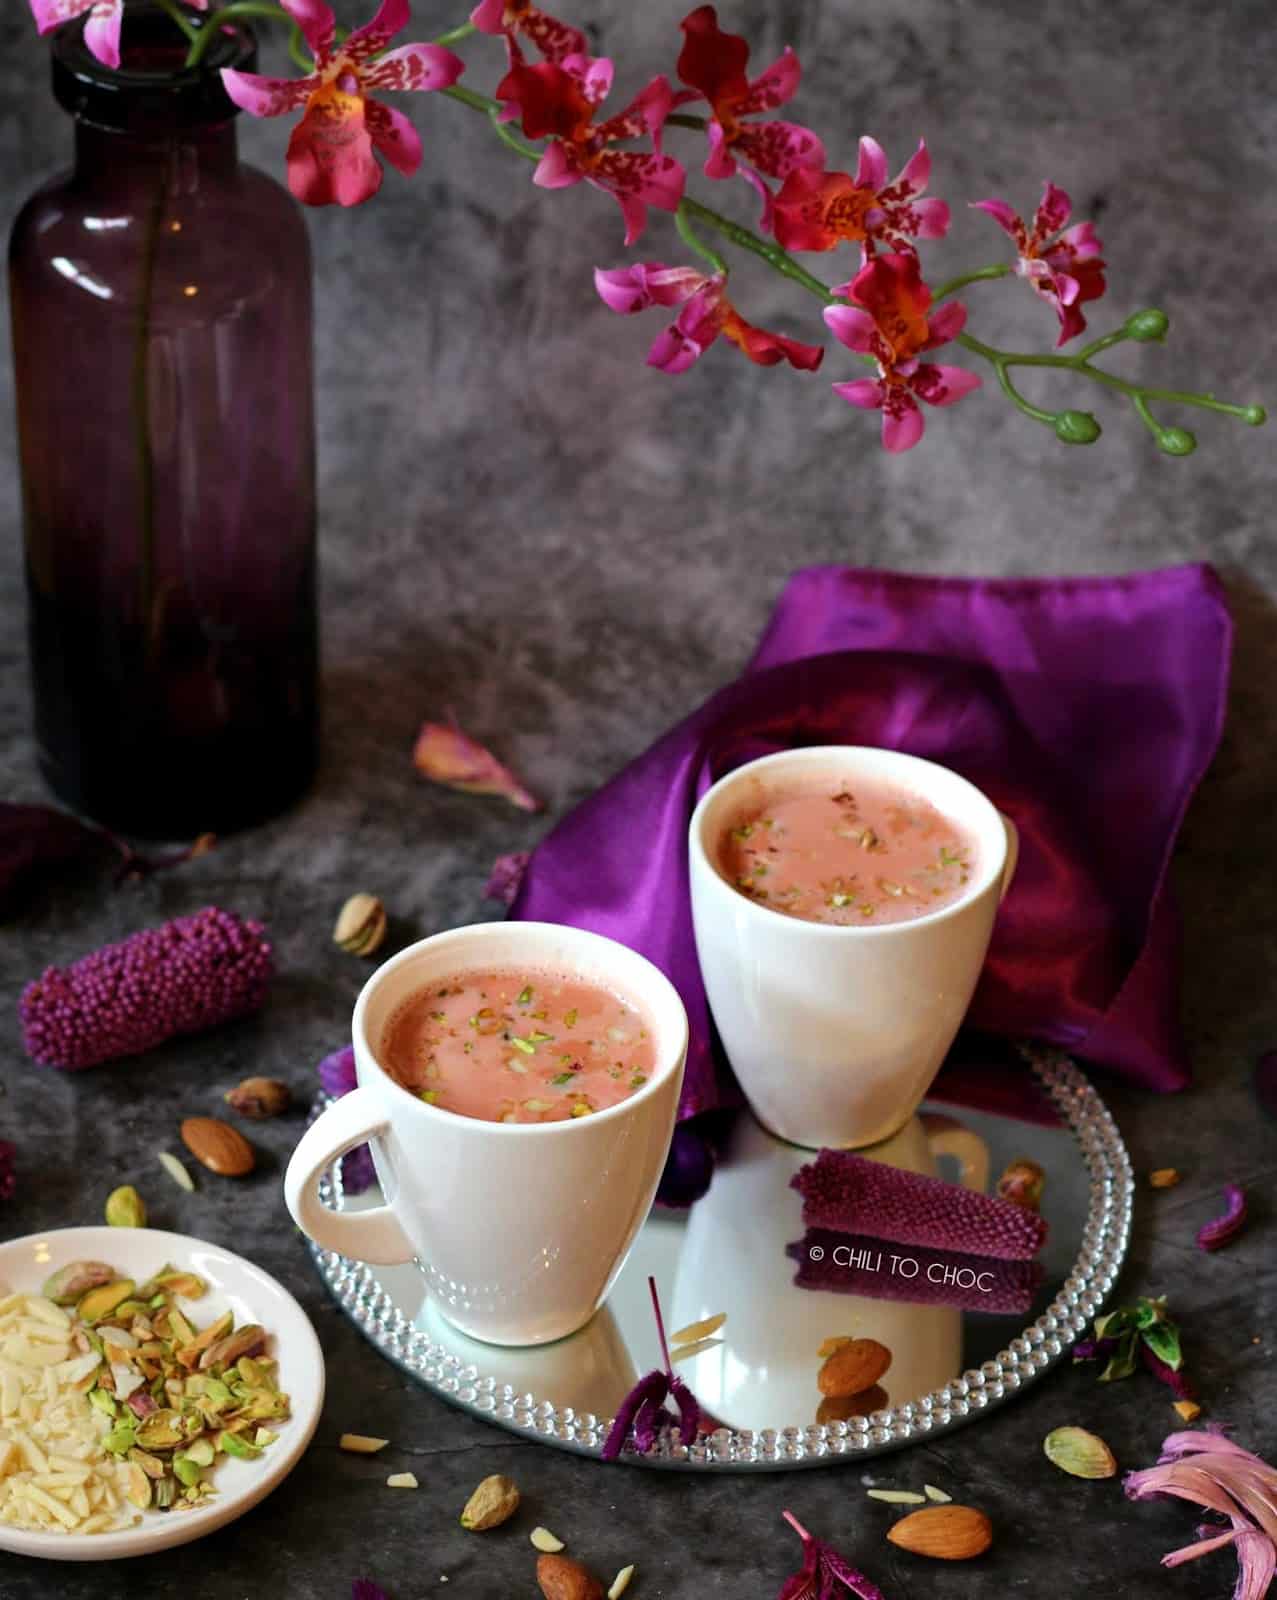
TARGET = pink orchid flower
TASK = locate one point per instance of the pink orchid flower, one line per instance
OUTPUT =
(890, 322)
(330, 155)
(818, 210)
(713, 64)
(554, 39)
(101, 31)
(558, 101)
(1065, 268)
(706, 313)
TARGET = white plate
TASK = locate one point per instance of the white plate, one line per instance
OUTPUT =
(233, 1284)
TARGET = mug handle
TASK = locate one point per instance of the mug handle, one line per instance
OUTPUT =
(374, 1236)
(948, 1137)
(1013, 854)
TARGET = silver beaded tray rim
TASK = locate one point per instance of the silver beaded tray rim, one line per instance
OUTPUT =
(355, 1287)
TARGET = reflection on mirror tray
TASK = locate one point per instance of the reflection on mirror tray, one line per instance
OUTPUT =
(962, 1327)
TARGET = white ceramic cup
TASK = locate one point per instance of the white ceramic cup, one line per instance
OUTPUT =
(520, 1228)
(836, 1033)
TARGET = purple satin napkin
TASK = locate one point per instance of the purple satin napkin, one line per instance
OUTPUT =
(1088, 709)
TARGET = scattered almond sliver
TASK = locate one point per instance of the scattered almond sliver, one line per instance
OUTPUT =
(938, 1495)
(402, 1480)
(897, 1497)
(694, 1332)
(361, 1445)
(55, 1476)
(545, 1541)
(620, 1583)
(180, 1176)
(683, 1352)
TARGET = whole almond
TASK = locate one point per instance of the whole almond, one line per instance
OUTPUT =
(853, 1367)
(842, 1407)
(218, 1146)
(561, 1578)
(945, 1533)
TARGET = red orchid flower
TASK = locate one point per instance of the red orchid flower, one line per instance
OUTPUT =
(823, 1570)
(1065, 268)
(101, 31)
(713, 64)
(889, 321)
(330, 155)
(558, 100)
(554, 39)
(818, 210)
(706, 313)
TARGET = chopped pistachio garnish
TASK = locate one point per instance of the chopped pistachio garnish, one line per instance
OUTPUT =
(528, 1046)
(569, 1018)
(524, 996)
(563, 1077)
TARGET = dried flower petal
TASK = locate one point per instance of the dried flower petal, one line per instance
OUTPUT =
(337, 1074)
(445, 755)
(642, 1413)
(1223, 1230)
(506, 876)
(822, 1570)
(1210, 1471)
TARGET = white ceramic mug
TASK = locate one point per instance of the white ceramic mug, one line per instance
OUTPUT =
(520, 1228)
(836, 1033)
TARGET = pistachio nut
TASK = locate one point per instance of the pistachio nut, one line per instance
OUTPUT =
(1079, 1453)
(125, 1208)
(495, 1501)
(361, 925)
(102, 1301)
(72, 1282)
(258, 1098)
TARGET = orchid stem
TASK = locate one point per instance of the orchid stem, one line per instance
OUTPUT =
(980, 275)
(660, 1324)
(215, 21)
(174, 13)
(297, 49)
(463, 30)
(781, 261)
(689, 237)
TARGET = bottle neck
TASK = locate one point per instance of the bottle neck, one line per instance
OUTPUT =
(205, 152)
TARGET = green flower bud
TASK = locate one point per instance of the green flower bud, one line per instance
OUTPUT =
(1255, 415)
(1146, 325)
(1176, 442)
(1076, 427)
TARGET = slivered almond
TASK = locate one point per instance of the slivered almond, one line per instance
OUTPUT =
(360, 1444)
(545, 1541)
(695, 1331)
(897, 1497)
(401, 1480)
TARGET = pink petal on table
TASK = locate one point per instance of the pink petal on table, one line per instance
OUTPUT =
(445, 755)
(506, 876)
(1223, 1230)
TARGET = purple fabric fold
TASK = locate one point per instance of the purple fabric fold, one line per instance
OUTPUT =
(1088, 709)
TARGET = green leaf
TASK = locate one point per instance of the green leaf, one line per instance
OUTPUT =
(1147, 1312)
(1163, 1340)
(1115, 1324)
(1122, 1362)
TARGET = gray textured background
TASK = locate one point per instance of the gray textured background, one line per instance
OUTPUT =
(523, 523)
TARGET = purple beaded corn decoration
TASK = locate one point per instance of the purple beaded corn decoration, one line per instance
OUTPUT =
(186, 975)
(850, 1194)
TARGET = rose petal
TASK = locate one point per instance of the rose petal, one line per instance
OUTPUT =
(445, 755)
(506, 876)
(1223, 1230)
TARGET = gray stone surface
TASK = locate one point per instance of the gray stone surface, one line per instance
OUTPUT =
(522, 523)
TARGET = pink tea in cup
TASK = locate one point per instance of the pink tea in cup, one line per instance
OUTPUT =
(854, 852)
(525, 1046)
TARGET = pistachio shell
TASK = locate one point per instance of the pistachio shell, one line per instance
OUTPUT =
(493, 1502)
(361, 925)
(1079, 1453)
(72, 1282)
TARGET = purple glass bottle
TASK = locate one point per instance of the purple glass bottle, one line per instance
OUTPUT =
(161, 305)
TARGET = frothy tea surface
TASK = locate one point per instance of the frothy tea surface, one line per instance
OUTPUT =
(851, 853)
(518, 1046)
